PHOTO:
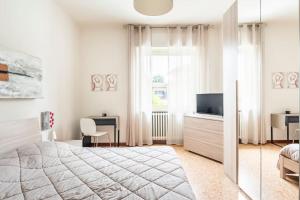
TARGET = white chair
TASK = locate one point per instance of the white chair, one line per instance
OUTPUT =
(88, 128)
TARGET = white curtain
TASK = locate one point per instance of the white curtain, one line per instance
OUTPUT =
(187, 76)
(250, 84)
(140, 87)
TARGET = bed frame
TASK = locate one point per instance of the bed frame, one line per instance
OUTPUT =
(287, 166)
(14, 134)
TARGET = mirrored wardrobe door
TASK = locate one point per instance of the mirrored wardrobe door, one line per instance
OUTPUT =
(249, 97)
(280, 50)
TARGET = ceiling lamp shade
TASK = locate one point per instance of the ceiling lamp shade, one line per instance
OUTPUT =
(153, 7)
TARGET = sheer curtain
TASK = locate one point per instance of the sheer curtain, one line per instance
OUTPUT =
(250, 84)
(187, 76)
(140, 87)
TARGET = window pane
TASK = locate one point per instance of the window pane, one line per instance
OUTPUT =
(159, 98)
(159, 69)
(159, 64)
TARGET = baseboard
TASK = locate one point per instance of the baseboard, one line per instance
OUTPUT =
(159, 142)
(275, 141)
(282, 141)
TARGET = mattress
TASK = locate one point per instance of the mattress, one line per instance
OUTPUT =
(291, 151)
(53, 171)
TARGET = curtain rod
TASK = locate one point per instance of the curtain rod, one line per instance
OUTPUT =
(169, 26)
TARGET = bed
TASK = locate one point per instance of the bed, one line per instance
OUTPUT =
(288, 163)
(55, 170)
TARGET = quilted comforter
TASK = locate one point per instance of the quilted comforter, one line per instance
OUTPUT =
(53, 171)
(291, 151)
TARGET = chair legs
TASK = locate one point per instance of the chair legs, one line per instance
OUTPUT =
(96, 140)
(108, 136)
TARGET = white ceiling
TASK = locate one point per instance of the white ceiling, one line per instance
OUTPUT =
(122, 11)
(284, 10)
(270, 10)
(184, 11)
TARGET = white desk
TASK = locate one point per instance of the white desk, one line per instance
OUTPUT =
(109, 121)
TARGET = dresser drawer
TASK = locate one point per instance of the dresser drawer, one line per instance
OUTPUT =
(204, 137)
(205, 149)
(204, 124)
(208, 136)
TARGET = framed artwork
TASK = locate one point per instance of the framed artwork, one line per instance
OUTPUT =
(293, 80)
(104, 82)
(111, 81)
(97, 82)
(277, 80)
(21, 75)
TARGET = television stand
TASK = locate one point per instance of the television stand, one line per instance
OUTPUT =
(203, 134)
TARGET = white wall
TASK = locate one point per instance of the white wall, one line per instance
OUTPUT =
(281, 54)
(42, 29)
(103, 50)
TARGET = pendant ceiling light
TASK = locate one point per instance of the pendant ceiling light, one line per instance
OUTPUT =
(153, 7)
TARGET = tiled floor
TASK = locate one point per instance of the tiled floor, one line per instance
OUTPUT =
(210, 183)
(207, 177)
(273, 187)
(249, 169)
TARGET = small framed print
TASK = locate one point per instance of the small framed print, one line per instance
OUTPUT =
(278, 80)
(97, 82)
(293, 80)
(104, 82)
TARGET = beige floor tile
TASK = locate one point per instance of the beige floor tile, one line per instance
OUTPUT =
(209, 182)
(207, 177)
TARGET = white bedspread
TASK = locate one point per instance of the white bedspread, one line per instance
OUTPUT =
(54, 171)
(291, 151)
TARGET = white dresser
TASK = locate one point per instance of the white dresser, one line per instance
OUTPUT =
(203, 134)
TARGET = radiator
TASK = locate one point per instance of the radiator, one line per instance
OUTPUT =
(159, 125)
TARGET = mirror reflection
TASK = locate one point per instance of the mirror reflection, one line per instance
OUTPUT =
(280, 149)
(268, 99)
(249, 96)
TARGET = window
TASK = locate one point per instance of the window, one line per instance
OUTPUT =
(159, 62)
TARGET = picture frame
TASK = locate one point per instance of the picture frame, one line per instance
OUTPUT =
(104, 82)
(278, 80)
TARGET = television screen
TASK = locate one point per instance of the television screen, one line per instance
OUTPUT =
(210, 104)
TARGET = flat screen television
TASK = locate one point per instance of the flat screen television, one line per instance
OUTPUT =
(210, 103)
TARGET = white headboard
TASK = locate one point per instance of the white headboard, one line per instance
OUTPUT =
(14, 134)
